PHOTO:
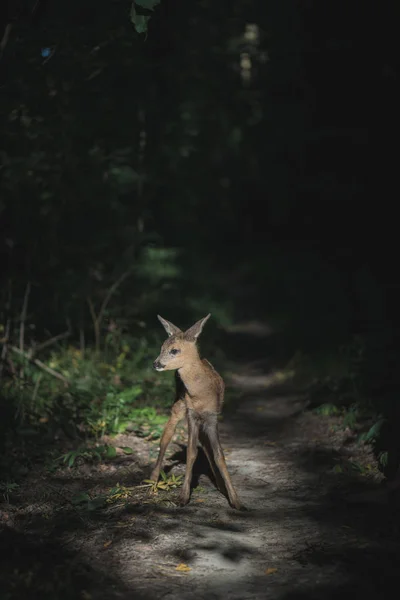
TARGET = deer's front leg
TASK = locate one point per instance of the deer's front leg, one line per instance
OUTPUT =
(178, 412)
(193, 436)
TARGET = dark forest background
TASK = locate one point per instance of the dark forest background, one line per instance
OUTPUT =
(241, 158)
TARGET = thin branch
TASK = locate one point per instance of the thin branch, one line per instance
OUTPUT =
(51, 341)
(22, 323)
(36, 388)
(82, 341)
(110, 292)
(23, 316)
(8, 327)
(5, 38)
(41, 365)
(97, 320)
(4, 349)
(95, 324)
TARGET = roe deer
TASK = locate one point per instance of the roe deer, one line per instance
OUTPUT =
(199, 398)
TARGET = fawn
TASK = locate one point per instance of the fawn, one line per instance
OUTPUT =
(199, 398)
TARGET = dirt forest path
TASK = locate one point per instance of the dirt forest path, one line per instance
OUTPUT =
(303, 535)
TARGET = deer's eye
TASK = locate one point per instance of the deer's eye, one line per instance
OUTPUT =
(174, 351)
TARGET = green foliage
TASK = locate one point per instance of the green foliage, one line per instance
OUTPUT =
(6, 488)
(341, 378)
(373, 432)
(102, 396)
(140, 21)
(166, 483)
(327, 410)
(90, 454)
(86, 502)
(158, 265)
(350, 467)
(351, 417)
(117, 493)
(383, 458)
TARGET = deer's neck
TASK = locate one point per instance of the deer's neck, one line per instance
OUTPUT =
(192, 375)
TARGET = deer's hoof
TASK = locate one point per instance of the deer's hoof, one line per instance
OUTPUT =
(183, 499)
(154, 476)
(237, 504)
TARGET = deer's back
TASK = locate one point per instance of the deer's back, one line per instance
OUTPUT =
(216, 378)
(211, 394)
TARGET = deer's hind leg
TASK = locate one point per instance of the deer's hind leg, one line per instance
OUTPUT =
(208, 451)
(210, 428)
(178, 413)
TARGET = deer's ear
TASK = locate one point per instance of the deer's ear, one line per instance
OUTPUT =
(170, 328)
(195, 330)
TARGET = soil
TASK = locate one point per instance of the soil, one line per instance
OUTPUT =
(319, 522)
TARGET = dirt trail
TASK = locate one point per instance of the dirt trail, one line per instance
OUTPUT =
(301, 537)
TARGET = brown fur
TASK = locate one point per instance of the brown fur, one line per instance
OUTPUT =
(199, 397)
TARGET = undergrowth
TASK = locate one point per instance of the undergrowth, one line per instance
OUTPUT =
(337, 385)
(80, 396)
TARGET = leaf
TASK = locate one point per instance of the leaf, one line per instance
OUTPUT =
(111, 452)
(337, 469)
(183, 568)
(372, 433)
(126, 449)
(139, 21)
(107, 544)
(199, 500)
(71, 459)
(12, 486)
(271, 571)
(383, 458)
(80, 498)
(95, 73)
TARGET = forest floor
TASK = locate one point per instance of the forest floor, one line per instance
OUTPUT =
(318, 524)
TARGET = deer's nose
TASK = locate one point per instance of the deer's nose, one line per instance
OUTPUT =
(157, 365)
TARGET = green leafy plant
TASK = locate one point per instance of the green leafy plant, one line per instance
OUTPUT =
(373, 432)
(90, 454)
(140, 20)
(383, 458)
(6, 488)
(350, 417)
(117, 493)
(166, 483)
(327, 410)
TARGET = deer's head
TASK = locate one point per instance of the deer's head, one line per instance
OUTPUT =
(180, 348)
